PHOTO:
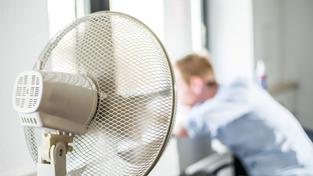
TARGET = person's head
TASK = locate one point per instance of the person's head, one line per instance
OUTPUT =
(195, 79)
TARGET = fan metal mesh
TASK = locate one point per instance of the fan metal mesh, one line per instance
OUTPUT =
(135, 94)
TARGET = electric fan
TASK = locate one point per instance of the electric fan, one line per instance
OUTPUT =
(100, 99)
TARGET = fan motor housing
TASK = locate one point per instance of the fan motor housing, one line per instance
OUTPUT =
(55, 100)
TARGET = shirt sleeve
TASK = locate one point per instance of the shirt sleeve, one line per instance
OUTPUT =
(195, 127)
(208, 117)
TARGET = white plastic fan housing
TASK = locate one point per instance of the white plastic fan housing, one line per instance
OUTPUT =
(55, 100)
(134, 96)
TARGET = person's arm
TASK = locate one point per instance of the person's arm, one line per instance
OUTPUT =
(208, 117)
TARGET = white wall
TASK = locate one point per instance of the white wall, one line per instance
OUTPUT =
(298, 38)
(177, 26)
(23, 33)
(284, 40)
(269, 37)
(231, 38)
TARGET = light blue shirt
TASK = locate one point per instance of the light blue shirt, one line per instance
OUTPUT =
(263, 134)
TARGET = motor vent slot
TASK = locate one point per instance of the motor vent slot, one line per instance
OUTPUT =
(28, 120)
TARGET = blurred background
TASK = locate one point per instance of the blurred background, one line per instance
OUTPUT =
(269, 41)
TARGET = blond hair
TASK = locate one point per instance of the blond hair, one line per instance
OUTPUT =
(196, 65)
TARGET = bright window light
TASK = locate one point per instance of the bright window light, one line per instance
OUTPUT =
(150, 12)
(60, 14)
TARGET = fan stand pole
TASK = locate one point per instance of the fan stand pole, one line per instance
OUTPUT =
(52, 154)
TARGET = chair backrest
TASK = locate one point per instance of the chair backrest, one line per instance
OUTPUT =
(192, 150)
(309, 132)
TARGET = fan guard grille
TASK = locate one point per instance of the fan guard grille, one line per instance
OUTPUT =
(135, 94)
